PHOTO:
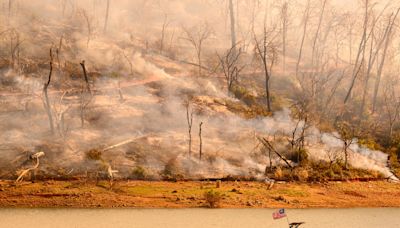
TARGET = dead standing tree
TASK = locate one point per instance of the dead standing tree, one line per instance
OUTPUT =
(371, 60)
(15, 46)
(389, 36)
(297, 140)
(233, 25)
(201, 141)
(360, 54)
(163, 31)
(196, 37)
(87, 19)
(60, 111)
(46, 101)
(107, 15)
(317, 33)
(189, 118)
(58, 54)
(10, 7)
(266, 51)
(391, 106)
(285, 23)
(306, 18)
(85, 76)
(333, 156)
(86, 95)
(231, 67)
(375, 44)
(346, 147)
(347, 136)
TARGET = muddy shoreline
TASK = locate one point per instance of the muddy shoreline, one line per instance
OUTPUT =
(190, 194)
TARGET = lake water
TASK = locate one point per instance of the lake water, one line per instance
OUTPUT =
(231, 218)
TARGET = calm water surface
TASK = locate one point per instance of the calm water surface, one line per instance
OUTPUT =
(231, 218)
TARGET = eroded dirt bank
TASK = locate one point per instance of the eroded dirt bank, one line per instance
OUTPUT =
(144, 194)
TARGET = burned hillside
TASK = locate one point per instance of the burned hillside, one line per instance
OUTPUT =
(160, 93)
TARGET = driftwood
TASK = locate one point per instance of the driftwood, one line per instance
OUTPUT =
(268, 145)
(26, 171)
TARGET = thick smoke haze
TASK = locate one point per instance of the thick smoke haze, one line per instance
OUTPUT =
(141, 80)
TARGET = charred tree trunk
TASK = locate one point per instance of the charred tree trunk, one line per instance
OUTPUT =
(262, 52)
(164, 27)
(284, 18)
(85, 97)
(196, 39)
(269, 146)
(58, 52)
(85, 76)
(201, 142)
(382, 63)
(372, 58)
(267, 90)
(306, 18)
(233, 25)
(270, 160)
(371, 61)
(346, 155)
(318, 31)
(199, 60)
(361, 51)
(46, 97)
(189, 118)
(10, 4)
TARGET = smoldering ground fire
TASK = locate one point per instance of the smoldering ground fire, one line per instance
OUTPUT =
(141, 92)
(159, 125)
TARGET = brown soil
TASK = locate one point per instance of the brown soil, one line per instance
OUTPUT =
(144, 194)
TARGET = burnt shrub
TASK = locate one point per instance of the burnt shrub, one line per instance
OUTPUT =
(299, 156)
(301, 174)
(213, 198)
(171, 171)
(139, 173)
(93, 154)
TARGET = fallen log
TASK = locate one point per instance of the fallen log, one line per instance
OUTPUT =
(122, 143)
(268, 145)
